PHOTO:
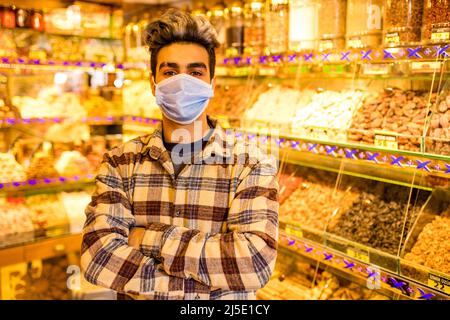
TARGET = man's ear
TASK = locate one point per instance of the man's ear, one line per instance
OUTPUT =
(152, 84)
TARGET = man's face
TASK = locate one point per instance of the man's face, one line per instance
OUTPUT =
(188, 58)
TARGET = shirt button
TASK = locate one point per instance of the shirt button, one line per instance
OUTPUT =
(177, 213)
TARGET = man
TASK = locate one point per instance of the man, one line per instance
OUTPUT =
(182, 213)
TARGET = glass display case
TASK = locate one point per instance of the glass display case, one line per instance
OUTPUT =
(403, 22)
(436, 21)
(364, 23)
(332, 19)
(277, 26)
(254, 28)
(235, 23)
(303, 25)
(361, 131)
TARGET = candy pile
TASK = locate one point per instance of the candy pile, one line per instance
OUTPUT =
(10, 170)
(15, 223)
(328, 110)
(72, 163)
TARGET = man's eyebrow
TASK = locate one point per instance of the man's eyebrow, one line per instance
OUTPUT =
(169, 64)
(196, 65)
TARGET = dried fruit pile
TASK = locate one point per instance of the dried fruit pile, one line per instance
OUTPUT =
(398, 111)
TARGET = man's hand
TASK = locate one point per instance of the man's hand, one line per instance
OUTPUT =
(135, 237)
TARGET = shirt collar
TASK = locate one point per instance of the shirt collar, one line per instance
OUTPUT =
(217, 145)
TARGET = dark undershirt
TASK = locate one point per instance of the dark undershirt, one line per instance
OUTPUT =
(182, 153)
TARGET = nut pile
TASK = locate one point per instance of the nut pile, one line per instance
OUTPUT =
(377, 219)
(440, 128)
(356, 292)
(46, 283)
(288, 184)
(316, 200)
(405, 19)
(41, 166)
(432, 248)
(436, 15)
(402, 112)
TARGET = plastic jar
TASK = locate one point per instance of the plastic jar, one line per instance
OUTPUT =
(332, 19)
(254, 28)
(216, 15)
(364, 23)
(303, 25)
(277, 26)
(9, 17)
(436, 21)
(23, 18)
(403, 22)
(37, 20)
(235, 29)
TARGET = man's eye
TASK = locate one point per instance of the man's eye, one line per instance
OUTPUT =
(170, 73)
(196, 74)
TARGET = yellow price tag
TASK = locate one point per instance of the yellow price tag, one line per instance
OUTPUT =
(439, 283)
(294, 231)
(360, 254)
(386, 141)
(355, 43)
(440, 36)
(392, 38)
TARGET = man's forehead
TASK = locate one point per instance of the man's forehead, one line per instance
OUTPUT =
(187, 54)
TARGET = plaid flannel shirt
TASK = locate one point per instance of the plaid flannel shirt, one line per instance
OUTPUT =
(211, 232)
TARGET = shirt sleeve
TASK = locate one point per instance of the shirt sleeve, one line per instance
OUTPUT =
(241, 259)
(106, 258)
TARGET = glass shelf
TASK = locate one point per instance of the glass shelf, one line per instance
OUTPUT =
(44, 185)
(337, 252)
(7, 63)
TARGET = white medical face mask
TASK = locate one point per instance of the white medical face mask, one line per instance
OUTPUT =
(183, 98)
